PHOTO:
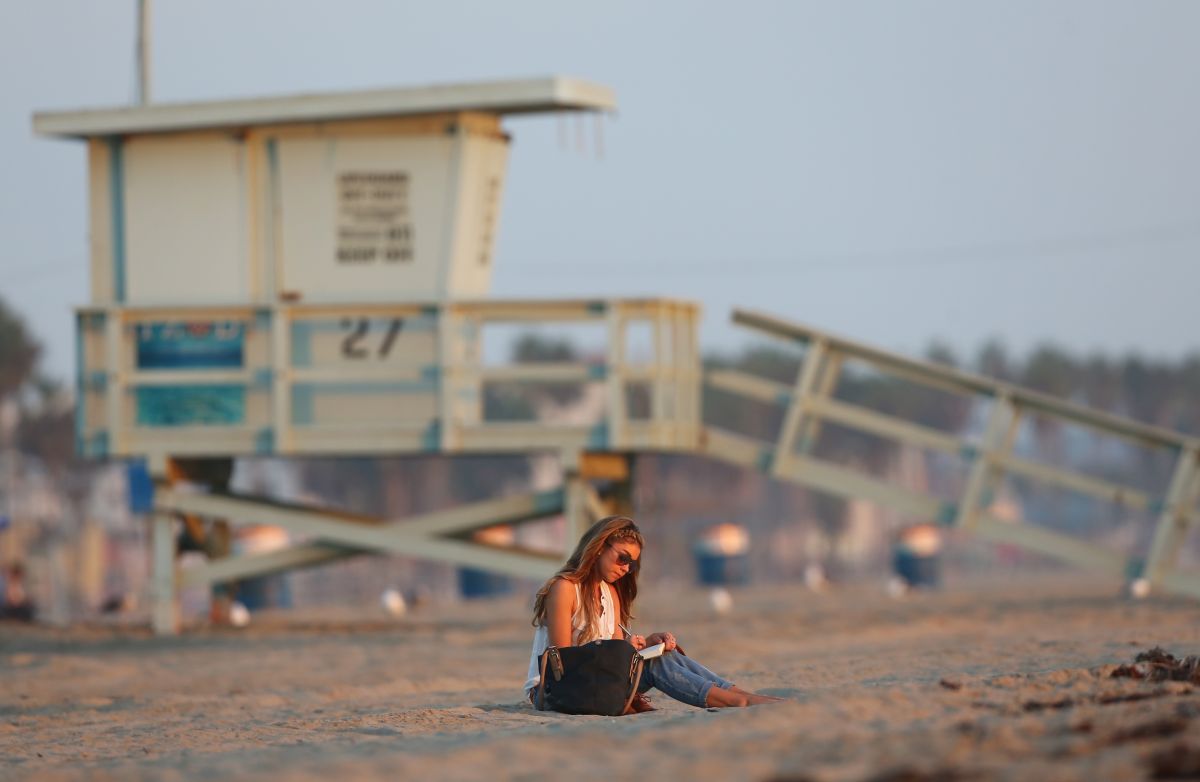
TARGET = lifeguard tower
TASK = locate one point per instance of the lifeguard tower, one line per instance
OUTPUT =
(309, 275)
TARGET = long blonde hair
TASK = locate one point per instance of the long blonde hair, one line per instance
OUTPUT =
(580, 569)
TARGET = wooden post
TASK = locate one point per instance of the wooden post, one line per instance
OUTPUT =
(616, 377)
(165, 599)
(281, 380)
(806, 381)
(998, 439)
(576, 510)
(447, 353)
(1174, 520)
(810, 427)
(661, 409)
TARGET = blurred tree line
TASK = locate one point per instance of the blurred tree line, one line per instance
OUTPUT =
(45, 422)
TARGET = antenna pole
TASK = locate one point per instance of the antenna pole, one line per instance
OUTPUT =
(143, 52)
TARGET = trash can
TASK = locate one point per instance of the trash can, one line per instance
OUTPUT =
(721, 555)
(917, 556)
(259, 592)
(476, 583)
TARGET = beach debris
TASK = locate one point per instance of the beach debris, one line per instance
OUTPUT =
(1057, 703)
(950, 685)
(1158, 665)
(909, 774)
(239, 615)
(720, 600)
(815, 578)
(897, 587)
(393, 602)
(1156, 728)
(1179, 761)
(1130, 697)
(1139, 588)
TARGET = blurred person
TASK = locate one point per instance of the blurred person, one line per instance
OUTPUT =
(591, 598)
(15, 604)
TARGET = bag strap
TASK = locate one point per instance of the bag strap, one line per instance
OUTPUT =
(636, 678)
(540, 703)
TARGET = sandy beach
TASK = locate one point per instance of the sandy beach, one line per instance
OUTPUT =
(989, 681)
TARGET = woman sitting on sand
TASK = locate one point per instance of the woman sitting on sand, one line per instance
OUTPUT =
(591, 598)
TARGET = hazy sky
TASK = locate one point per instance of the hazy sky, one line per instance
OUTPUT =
(891, 171)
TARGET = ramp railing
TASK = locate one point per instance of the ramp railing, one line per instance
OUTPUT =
(810, 401)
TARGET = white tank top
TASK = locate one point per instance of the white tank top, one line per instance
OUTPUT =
(541, 634)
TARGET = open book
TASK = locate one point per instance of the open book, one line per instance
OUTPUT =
(651, 652)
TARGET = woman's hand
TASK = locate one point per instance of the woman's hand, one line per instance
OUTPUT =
(638, 641)
(666, 639)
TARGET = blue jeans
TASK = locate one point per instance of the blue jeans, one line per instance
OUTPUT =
(680, 677)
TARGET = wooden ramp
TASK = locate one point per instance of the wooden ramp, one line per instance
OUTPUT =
(809, 402)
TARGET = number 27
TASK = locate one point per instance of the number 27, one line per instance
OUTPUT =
(352, 343)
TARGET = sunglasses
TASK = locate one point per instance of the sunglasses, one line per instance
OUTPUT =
(627, 561)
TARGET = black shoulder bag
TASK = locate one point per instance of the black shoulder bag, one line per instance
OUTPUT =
(600, 677)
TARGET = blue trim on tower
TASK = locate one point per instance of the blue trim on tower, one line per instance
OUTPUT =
(302, 404)
(431, 438)
(116, 197)
(598, 437)
(547, 502)
(264, 441)
(80, 387)
(301, 344)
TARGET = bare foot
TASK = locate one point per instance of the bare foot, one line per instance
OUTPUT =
(735, 696)
(755, 697)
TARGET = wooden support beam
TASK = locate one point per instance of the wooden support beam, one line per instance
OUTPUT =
(342, 534)
(477, 515)
(460, 520)
(617, 414)
(165, 596)
(810, 429)
(867, 420)
(660, 386)
(1175, 517)
(736, 448)
(1114, 493)
(845, 482)
(810, 372)
(1051, 543)
(281, 381)
(744, 383)
(596, 507)
(251, 565)
(391, 537)
(575, 509)
(998, 438)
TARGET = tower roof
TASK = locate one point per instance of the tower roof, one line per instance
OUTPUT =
(522, 96)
